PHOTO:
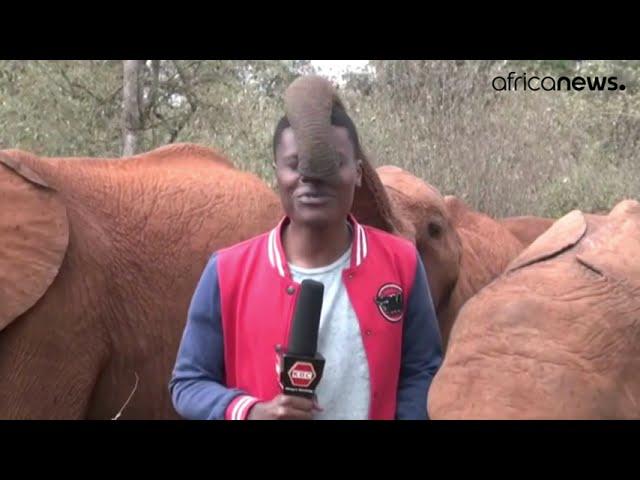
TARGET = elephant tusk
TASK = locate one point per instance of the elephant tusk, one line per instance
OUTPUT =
(128, 399)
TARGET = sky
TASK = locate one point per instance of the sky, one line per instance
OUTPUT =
(336, 68)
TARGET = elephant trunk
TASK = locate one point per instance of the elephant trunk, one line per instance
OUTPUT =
(309, 102)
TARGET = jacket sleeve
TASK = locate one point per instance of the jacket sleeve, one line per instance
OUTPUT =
(421, 350)
(197, 382)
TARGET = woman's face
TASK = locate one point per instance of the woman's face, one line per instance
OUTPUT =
(317, 203)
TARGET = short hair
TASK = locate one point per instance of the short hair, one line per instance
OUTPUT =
(339, 118)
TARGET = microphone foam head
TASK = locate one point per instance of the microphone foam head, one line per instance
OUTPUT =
(306, 320)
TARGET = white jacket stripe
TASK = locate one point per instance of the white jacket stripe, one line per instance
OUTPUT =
(237, 408)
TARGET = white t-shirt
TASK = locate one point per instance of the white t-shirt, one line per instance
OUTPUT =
(344, 389)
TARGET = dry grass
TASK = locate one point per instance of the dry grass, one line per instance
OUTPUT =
(506, 153)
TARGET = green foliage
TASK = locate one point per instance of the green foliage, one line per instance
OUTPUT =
(75, 107)
(62, 107)
(506, 153)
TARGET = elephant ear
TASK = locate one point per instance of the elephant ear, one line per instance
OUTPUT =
(34, 235)
(614, 244)
(562, 235)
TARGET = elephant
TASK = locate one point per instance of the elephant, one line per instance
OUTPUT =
(526, 228)
(100, 258)
(463, 250)
(557, 336)
(104, 255)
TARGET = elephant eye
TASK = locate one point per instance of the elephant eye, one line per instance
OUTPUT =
(434, 230)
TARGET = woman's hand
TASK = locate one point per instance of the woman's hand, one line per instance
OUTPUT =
(284, 407)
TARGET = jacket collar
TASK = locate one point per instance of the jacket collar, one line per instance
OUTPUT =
(278, 260)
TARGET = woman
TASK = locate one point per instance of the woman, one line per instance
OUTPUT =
(378, 329)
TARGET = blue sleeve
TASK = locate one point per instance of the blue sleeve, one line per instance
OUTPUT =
(197, 383)
(421, 350)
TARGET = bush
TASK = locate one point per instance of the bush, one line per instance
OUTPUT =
(505, 153)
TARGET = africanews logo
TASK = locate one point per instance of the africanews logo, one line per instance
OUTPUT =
(548, 83)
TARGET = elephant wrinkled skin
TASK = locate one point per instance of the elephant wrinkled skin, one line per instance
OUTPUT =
(558, 335)
(100, 258)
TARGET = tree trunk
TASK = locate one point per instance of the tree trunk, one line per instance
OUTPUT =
(131, 118)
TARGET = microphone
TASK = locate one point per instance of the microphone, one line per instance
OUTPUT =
(301, 366)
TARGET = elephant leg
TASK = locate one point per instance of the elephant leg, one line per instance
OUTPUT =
(47, 372)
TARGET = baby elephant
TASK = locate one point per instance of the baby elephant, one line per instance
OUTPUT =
(558, 335)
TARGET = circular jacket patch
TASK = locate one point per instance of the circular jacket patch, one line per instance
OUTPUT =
(389, 301)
